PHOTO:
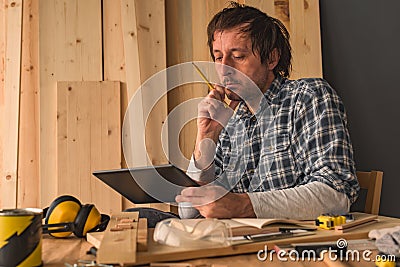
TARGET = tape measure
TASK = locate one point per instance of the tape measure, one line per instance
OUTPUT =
(329, 221)
(384, 260)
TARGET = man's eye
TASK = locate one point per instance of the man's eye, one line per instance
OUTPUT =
(238, 57)
(218, 58)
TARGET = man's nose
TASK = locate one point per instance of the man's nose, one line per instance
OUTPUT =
(226, 68)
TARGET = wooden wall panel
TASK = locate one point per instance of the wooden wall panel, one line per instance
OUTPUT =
(139, 39)
(28, 150)
(267, 6)
(134, 152)
(70, 49)
(282, 12)
(152, 58)
(2, 89)
(2, 57)
(113, 46)
(187, 41)
(301, 18)
(305, 38)
(89, 138)
(186, 23)
(134, 50)
(10, 105)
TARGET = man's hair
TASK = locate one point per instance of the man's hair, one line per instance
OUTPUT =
(266, 33)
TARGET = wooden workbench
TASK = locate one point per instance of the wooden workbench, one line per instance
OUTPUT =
(56, 252)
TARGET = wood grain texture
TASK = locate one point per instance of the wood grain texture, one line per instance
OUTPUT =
(29, 130)
(89, 138)
(282, 12)
(113, 46)
(2, 89)
(372, 182)
(134, 50)
(186, 23)
(305, 38)
(70, 49)
(114, 59)
(167, 253)
(152, 58)
(142, 234)
(119, 246)
(267, 6)
(95, 238)
(10, 107)
(134, 143)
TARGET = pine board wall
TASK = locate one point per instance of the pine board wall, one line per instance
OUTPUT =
(49, 46)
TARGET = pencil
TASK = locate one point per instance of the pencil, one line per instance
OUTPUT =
(210, 87)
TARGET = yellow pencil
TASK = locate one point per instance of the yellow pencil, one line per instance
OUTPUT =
(210, 86)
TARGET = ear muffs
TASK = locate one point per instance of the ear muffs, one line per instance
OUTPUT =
(66, 215)
(87, 219)
(61, 213)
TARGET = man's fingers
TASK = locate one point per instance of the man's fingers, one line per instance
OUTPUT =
(195, 201)
(233, 104)
(192, 192)
(218, 93)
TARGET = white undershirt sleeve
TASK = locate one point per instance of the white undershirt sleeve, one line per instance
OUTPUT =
(304, 202)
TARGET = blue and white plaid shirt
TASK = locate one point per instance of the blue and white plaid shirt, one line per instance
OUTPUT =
(298, 135)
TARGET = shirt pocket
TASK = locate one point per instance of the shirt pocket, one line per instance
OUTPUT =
(275, 144)
(275, 163)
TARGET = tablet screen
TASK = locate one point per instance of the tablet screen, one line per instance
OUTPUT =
(150, 184)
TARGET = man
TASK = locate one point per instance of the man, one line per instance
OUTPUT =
(285, 150)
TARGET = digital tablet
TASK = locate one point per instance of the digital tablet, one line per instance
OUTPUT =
(152, 184)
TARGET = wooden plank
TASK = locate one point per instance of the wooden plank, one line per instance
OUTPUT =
(2, 89)
(360, 219)
(142, 234)
(152, 58)
(282, 12)
(114, 59)
(12, 72)
(143, 29)
(167, 253)
(119, 246)
(2, 57)
(134, 146)
(70, 49)
(187, 41)
(95, 238)
(28, 155)
(88, 140)
(305, 38)
(180, 49)
(133, 152)
(113, 46)
(267, 6)
(201, 14)
(47, 61)
(110, 149)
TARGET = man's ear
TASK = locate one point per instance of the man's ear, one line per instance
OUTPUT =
(273, 59)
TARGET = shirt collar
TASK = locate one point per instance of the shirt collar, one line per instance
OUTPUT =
(244, 112)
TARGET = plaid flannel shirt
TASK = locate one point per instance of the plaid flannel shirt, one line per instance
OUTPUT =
(297, 136)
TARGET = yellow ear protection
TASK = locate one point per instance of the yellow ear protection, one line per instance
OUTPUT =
(67, 215)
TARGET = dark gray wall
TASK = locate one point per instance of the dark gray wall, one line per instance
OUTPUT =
(361, 60)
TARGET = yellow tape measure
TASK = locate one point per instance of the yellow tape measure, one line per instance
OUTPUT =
(328, 221)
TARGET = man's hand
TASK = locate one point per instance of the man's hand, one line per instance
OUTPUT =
(216, 202)
(213, 115)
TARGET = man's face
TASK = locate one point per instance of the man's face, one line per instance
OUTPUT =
(233, 48)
